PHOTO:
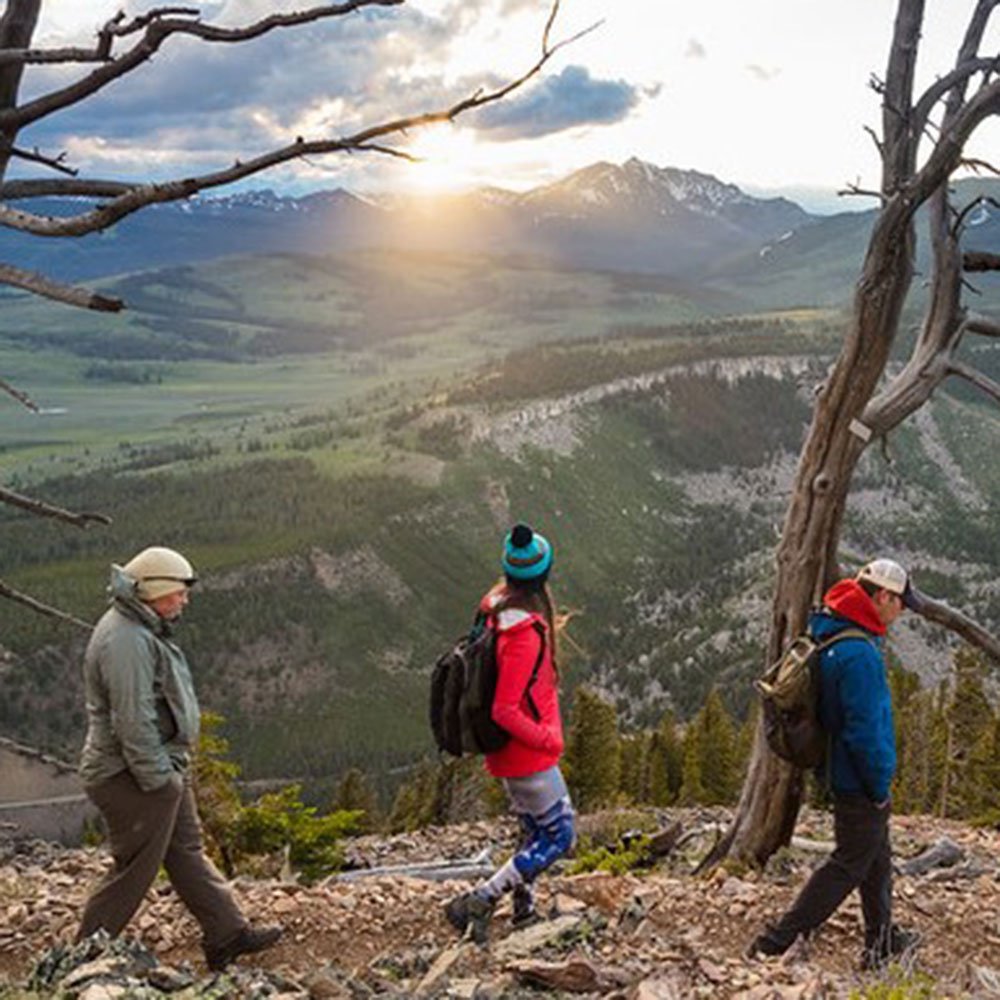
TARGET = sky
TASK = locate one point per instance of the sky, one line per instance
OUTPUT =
(772, 95)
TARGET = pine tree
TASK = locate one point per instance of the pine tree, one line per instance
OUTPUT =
(717, 743)
(745, 737)
(913, 791)
(451, 791)
(983, 777)
(593, 755)
(355, 793)
(634, 781)
(692, 790)
(459, 791)
(970, 724)
(413, 806)
(218, 800)
(666, 761)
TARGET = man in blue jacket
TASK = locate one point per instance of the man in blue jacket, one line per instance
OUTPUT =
(856, 710)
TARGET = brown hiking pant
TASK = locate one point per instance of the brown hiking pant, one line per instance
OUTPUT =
(147, 829)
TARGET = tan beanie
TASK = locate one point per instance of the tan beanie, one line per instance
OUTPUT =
(158, 572)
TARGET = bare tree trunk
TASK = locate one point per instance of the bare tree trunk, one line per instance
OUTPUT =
(848, 414)
(17, 27)
(807, 554)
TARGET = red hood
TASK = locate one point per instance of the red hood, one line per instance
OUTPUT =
(847, 599)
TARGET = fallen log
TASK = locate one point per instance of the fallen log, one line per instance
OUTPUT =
(944, 853)
(664, 841)
(813, 846)
(442, 870)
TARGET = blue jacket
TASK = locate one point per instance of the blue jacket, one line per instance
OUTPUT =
(855, 708)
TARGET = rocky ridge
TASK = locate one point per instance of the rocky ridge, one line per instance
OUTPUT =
(661, 934)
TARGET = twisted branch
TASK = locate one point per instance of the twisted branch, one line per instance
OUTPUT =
(41, 509)
(977, 378)
(22, 397)
(940, 613)
(39, 284)
(44, 609)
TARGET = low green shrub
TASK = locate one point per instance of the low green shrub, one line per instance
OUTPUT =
(898, 984)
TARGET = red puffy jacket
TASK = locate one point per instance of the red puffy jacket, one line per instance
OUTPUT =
(535, 745)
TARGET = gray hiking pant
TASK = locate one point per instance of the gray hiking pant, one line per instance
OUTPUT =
(146, 830)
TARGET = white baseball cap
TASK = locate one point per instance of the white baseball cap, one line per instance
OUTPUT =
(889, 575)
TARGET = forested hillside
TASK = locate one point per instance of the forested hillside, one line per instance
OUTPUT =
(345, 508)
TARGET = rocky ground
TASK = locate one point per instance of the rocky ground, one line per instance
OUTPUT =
(650, 936)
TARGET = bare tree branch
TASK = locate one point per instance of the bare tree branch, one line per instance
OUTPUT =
(29, 602)
(980, 260)
(853, 190)
(70, 54)
(41, 509)
(942, 614)
(982, 326)
(401, 154)
(874, 137)
(977, 378)
(57, 187)
(34, 156)
(980, 165)
(147, 194)
(947, 152)
(937, 90)
(116, 27)
(961, 216)
(21, 397)
(73, 295)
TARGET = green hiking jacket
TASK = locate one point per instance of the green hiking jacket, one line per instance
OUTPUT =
(142, 711)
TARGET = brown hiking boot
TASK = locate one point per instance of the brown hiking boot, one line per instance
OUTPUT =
(248, 941)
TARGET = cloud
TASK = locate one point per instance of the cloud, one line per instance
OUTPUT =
(762, 73)
(559, 102)
(208, 104)
(694, 50)
(325, 79)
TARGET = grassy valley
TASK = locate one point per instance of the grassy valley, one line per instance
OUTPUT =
(344, 499)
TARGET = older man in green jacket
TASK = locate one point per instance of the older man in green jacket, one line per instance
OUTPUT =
(142, 726)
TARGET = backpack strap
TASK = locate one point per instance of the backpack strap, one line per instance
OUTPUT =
(540, 629)
(847, 633)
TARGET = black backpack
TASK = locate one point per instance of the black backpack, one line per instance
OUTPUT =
(463, 686)
(789, 692)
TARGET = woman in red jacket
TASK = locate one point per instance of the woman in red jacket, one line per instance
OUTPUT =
(526, 705)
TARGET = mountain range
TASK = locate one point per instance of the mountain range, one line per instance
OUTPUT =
(632, 217)
(629, 218)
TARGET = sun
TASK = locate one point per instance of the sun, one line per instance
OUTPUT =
(448, 159)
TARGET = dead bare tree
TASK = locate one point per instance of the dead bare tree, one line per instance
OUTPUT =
(123, 45)
(921, 147)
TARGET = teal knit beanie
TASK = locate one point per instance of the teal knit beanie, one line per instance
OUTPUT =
(527, 555)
